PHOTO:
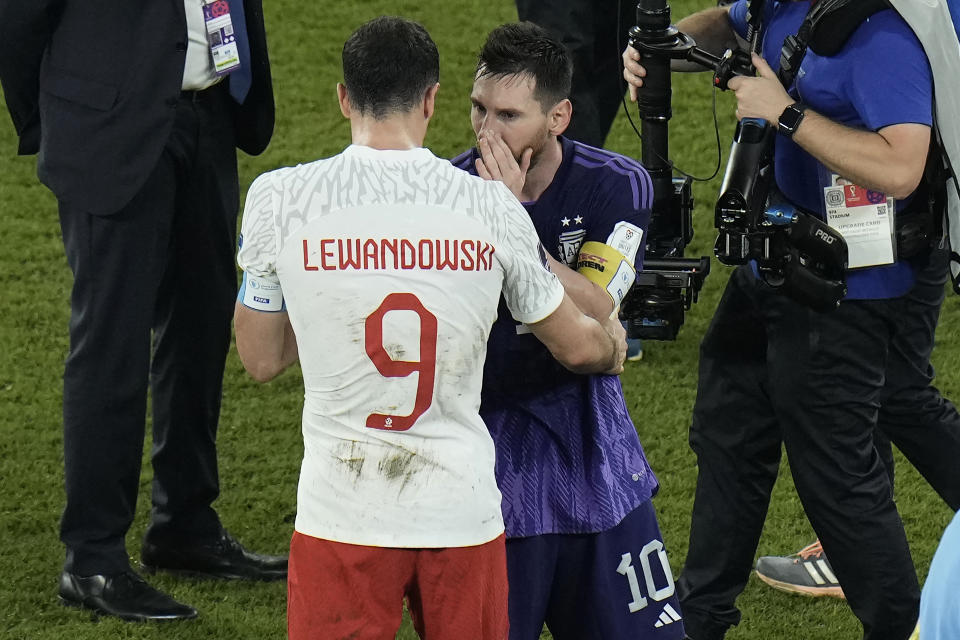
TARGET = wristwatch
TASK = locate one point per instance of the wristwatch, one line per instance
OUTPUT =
(790, 119)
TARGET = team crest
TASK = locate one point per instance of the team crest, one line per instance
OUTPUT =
(569, 247)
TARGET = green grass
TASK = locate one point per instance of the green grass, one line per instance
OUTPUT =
(259, 440)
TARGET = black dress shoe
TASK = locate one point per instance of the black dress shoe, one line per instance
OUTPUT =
(223, 558)
(124, 595)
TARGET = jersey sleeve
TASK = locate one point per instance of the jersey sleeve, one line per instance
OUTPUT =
(259, 241)
(903, 92)
(466, 161)
(620, 215)
(532, 292)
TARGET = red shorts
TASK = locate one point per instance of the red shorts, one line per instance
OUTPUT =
(337, 590)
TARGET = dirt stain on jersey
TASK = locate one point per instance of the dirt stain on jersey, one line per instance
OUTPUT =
(398, 465)
(404, 466)
(351, 456)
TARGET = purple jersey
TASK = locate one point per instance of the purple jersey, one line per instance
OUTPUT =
(568, 456)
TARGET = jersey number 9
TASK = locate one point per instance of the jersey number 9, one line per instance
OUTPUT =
(390, 368)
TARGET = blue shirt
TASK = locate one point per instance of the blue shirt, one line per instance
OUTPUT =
(939, 613)
(568, 456)
(880, 77)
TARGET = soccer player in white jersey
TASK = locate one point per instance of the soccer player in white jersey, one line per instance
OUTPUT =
(381, 269)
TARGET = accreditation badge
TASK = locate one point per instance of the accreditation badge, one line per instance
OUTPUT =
(220, 36)
(865, 219)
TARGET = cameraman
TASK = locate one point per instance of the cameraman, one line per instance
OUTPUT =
(773, 370)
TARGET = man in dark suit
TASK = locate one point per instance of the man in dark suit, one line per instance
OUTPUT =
(136, 134)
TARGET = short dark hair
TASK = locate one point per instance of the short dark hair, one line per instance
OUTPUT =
(388, 65)
(525, 48)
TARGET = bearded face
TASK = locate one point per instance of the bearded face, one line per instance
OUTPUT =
(506, 105)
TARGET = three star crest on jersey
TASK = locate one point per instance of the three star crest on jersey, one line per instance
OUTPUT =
(569, 245)
(570, 241)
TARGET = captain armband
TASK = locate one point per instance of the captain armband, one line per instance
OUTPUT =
(602, 264)
(261, 293)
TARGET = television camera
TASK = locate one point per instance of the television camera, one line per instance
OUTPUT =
(793, 250)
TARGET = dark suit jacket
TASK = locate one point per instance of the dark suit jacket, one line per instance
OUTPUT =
(93, 86)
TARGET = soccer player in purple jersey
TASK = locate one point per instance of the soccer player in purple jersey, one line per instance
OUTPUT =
(584, 552)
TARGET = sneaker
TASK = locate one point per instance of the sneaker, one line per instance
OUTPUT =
(634, 349)
(807, 572)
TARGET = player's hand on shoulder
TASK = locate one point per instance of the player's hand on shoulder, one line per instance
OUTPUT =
(496, 162)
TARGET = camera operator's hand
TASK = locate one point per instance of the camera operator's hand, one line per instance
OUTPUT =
(618, 335)
(762, 96)
(711, 29)
(633, 71)
(496, 162)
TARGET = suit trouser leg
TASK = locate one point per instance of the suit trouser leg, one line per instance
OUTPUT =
(922, 423)
(737, 442)
(610, 87)
(148, 267)
(117, 262)
(573, 23)
(829, 370)
(192, 331)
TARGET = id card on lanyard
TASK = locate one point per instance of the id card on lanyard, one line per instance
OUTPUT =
(220, 36)
(865, 219)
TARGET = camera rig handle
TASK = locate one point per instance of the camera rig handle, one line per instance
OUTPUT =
(658, 40)
(669, 284)
(793, 250)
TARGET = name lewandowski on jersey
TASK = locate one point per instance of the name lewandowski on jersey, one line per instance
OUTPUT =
(396, 253)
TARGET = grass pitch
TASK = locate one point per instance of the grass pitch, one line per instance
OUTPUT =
(259, 440)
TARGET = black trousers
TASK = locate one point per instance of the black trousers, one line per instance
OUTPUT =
(162, 267)
(773, 371)
(923, 424)
(590, 30)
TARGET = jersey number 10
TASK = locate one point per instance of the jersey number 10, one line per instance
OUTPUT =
(390, 368)
(653, 549)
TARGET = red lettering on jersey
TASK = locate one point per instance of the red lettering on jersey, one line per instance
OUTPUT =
(467, 264)
(483, 260)
(370, 254)
(306, 259)
(350, 257)
(326, 253)
(426, 367)
(443, 257)
(492, 250)
(392, 246)
(424, 262)
(408, 254)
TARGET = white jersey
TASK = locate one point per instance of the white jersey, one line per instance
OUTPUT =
(392, 265)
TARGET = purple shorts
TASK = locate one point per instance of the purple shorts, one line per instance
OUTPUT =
(597, 586)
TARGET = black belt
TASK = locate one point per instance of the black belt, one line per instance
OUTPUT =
(202, 95)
